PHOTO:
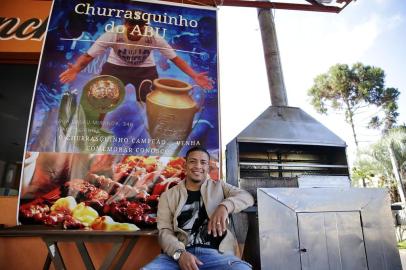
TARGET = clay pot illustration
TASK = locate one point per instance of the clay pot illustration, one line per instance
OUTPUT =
(170, 110)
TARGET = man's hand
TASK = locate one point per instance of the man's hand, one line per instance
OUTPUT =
(188, 261)
(69, 74)
(203, 81)
(73, 69)
(218, 222)
(200, 78)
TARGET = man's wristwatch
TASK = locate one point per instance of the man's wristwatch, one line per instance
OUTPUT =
(177, 254)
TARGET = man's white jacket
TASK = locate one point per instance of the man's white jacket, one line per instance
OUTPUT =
(214, 193)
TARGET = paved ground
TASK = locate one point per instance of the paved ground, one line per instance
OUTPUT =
(403, 257)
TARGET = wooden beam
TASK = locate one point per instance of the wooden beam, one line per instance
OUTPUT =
(278, 5)
(314, 2)
(312, 6)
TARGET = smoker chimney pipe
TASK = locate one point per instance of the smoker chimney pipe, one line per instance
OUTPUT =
(272, 58)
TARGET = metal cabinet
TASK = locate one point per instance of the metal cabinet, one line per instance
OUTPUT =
(326, 229)
(331, 240)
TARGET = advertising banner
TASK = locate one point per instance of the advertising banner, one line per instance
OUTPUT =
(124, 89)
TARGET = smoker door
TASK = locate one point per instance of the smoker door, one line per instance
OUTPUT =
(331, 241)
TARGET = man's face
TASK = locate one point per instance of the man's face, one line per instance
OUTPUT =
(197, 166)
(134, 29)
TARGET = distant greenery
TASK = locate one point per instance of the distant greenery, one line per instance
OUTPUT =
(402, 244)
(373, 163)
(350, 89)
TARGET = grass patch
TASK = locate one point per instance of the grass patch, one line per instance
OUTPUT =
(402, 244)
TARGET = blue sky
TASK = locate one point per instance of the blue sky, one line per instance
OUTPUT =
(369, 31)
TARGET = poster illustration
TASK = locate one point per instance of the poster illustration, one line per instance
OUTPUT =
(124, 89)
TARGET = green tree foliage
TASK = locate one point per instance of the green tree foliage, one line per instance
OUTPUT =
(374, 163)
(349, 89)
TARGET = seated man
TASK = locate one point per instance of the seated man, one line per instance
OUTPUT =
(193, 217)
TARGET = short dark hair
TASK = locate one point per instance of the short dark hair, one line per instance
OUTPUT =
(197, 149)
(134, 21)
